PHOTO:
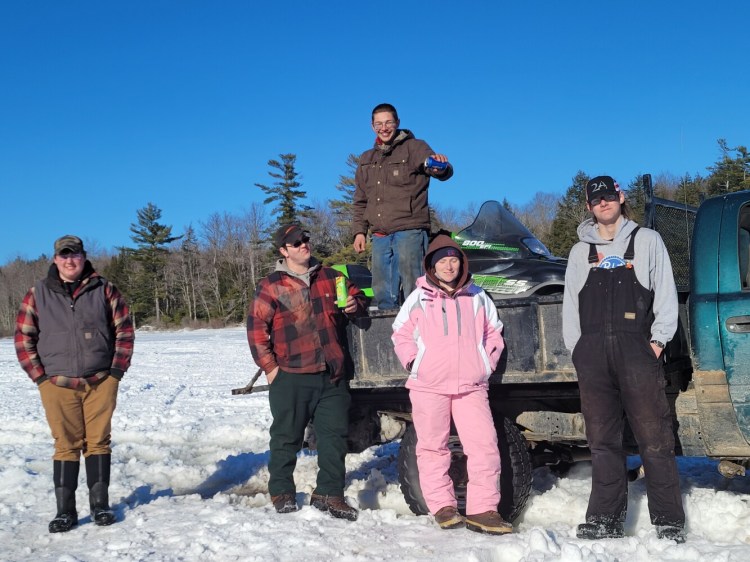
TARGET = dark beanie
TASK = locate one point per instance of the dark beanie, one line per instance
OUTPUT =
(444, 252)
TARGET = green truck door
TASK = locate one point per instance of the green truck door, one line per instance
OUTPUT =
(734, 302)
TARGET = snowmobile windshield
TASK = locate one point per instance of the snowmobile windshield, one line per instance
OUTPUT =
(496, 228)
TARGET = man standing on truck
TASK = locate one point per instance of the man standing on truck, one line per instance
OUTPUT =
(390, 200)
(619, 311)
(295, 331)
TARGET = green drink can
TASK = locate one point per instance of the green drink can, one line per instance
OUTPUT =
(341, 293)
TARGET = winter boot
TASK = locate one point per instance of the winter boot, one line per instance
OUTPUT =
(671, 532)
(284, 503)
(490, 522)
(335, 505)
(97, 478)
(65, 478)
(601, 528)
(448, 517)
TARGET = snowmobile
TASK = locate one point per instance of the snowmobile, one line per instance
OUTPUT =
(505, 258)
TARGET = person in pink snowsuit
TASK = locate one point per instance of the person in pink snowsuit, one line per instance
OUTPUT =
(447, 335)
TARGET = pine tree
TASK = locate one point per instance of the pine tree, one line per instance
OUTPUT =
(690, 190)
(342, 250)
(118, 272)
(635, 195)
(346, 186)
(729, 174)
(285, 191)
(571, 211)
(152, 239)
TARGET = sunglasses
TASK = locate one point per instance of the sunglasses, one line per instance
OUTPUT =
(608, 197)
(298, 243)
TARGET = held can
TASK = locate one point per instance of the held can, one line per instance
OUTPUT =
(430, 162)
(341, 293)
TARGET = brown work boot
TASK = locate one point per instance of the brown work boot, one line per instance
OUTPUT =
(335, 505)
(448, 517)
(490, 522)
(284, 503)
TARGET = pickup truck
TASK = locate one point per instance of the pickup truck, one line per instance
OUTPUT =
(534, 391)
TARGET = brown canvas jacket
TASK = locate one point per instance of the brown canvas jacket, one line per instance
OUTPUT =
(391, 187)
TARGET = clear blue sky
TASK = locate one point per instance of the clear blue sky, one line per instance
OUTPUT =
(106, 106)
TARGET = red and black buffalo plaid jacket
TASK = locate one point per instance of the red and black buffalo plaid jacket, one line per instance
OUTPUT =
(298, 327)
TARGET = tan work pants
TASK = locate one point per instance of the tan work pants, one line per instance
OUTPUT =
(80, 420)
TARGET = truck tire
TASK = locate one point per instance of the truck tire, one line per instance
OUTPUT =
(515, 476)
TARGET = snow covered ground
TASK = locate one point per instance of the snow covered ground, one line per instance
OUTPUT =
(189, 482)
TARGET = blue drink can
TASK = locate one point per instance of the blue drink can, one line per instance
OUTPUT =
(432, 163)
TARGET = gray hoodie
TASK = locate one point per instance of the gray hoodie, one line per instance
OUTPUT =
(314, 264)
(652, 266)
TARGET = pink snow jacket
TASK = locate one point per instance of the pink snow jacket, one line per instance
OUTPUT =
(449, 343)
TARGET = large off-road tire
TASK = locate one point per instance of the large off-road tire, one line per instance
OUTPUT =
(515, 476)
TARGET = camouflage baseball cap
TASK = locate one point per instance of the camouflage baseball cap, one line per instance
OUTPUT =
(69, 242)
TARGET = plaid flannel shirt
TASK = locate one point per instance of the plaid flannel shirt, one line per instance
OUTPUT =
(299, 328)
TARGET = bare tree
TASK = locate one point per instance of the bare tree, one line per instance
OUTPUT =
(213, 235)
(16, 278)
(450, 218)
(233, 256)
(537, 215)
(255, 223)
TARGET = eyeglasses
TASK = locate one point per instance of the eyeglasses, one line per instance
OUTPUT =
(608, 197)
(379, 125)
(71, 256)
(298, 243)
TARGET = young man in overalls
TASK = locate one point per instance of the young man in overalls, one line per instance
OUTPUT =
(619, 311)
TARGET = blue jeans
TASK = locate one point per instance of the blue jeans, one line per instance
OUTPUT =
(396, 264)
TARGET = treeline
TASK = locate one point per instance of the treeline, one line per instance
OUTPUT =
(206, 276)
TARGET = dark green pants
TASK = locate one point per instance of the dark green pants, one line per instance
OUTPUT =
(296, 399)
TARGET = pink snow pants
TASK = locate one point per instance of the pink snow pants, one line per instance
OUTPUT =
(431, 414)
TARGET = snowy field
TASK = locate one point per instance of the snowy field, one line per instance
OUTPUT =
(189, 482)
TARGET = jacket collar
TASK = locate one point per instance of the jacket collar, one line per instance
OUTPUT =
(88, 278)
(400, 136)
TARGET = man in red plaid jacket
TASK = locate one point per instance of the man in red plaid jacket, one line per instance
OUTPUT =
(74, 338)
(296, 335)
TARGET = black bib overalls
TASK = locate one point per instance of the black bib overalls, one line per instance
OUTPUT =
(619, 375)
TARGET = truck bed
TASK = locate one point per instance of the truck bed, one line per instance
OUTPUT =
(534, 351)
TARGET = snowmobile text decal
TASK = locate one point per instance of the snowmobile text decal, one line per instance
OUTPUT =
(482, 245)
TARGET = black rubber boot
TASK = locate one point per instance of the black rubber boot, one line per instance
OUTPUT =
(97, 478)
(65, 478)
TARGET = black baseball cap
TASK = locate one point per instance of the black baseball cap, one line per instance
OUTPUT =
(601, 185)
